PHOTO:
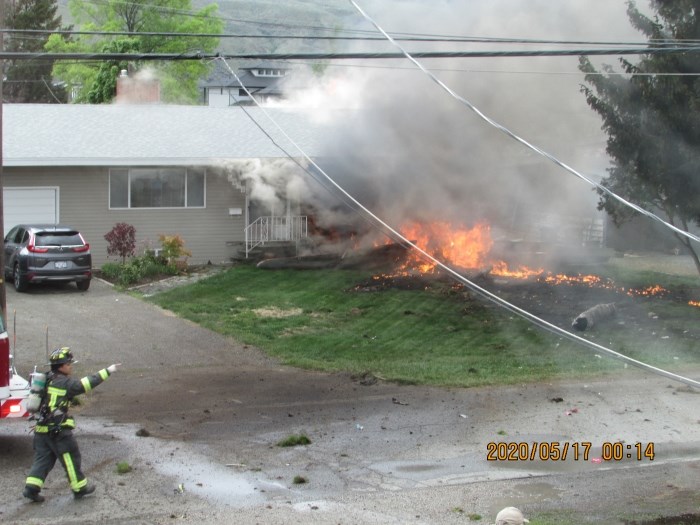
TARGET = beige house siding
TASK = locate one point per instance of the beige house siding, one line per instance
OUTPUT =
(210, 233)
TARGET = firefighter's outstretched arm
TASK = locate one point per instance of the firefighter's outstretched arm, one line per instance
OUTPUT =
(87, 383)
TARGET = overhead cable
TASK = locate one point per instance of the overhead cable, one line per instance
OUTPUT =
(344, 56)
(394, 234)
(518, 138)
(408, 37)
(514, 72)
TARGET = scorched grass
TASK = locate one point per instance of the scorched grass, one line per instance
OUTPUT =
(323, 320)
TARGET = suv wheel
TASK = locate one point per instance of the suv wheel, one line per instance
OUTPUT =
(20, 282)
(83, 285)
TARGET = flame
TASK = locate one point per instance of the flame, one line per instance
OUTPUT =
(648, 291)
(694, 303)
(500, 268)
(590, 280)
(462, 247)
(469, 248)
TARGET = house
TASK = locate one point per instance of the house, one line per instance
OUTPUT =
(163, 169)
(265, 81)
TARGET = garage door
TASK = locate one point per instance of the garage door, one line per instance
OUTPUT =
(29, 205)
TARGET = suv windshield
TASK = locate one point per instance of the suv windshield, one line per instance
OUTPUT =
(58, 239)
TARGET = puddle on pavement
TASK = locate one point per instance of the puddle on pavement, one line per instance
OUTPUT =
(191, 472)
(538, 491)
(203, 479)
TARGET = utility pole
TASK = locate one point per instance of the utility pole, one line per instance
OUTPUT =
(3, 297)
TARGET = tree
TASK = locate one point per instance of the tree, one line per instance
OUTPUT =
(92, 83)
(652, 119)
(121, 240)
(31, 81)
(105, 85)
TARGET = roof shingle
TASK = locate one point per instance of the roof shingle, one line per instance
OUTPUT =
(120, 135)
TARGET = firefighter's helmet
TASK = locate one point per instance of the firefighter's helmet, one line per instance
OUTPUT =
(61, 356)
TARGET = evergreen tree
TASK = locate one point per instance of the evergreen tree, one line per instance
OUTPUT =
(30, 80)
(652, 119)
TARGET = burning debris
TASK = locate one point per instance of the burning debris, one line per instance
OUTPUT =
(595, 315)
(471, 253)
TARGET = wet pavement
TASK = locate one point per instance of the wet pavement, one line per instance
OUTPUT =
(210, 413)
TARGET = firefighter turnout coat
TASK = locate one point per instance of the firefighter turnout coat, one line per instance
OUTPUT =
(53, 438)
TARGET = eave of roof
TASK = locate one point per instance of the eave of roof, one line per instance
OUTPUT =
(149, 135)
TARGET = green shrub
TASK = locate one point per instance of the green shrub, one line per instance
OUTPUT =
(111, 271)
(143, 267)
(130, 273)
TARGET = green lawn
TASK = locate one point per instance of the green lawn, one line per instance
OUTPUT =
(321, 319)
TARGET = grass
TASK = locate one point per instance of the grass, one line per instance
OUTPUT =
(294, 440)
(439, 336)
(123, 467)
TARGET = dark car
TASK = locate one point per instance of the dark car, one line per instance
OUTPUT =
(39, 253)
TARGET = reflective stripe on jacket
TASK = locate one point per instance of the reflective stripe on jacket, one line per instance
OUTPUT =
(60, 391)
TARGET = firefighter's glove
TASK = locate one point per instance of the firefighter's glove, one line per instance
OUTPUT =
(113, 368)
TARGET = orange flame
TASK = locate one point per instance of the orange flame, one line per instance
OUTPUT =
(649, 290)
(463, 247)
(469, 248)
(694, 303)
(501, 269)
(589, 280)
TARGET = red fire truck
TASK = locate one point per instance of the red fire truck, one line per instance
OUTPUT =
(14, 389)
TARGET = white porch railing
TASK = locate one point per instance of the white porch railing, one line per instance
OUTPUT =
(275, 229)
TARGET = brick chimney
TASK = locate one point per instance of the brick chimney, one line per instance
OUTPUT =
(141, 89)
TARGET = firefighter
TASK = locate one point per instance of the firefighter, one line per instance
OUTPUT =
(53, 433)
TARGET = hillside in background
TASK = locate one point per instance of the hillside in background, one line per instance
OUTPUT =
(282, 17)
(273, 17)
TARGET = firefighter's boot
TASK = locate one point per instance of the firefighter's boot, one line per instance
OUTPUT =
(89, 489)
(32, 495)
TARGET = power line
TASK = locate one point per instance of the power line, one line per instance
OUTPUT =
(349, 55)
(577, 73)
(513, 72)
(396, 35)
(414, 38)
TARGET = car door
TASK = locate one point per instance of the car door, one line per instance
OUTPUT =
(8, 248)
(13, 245)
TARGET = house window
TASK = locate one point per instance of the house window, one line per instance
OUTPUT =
(156, 188)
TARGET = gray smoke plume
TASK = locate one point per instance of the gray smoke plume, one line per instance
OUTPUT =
(408, 151)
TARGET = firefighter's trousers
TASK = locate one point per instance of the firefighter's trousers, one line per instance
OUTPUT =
(47, 449)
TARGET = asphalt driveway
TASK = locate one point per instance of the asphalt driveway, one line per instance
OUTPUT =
(199, 416)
